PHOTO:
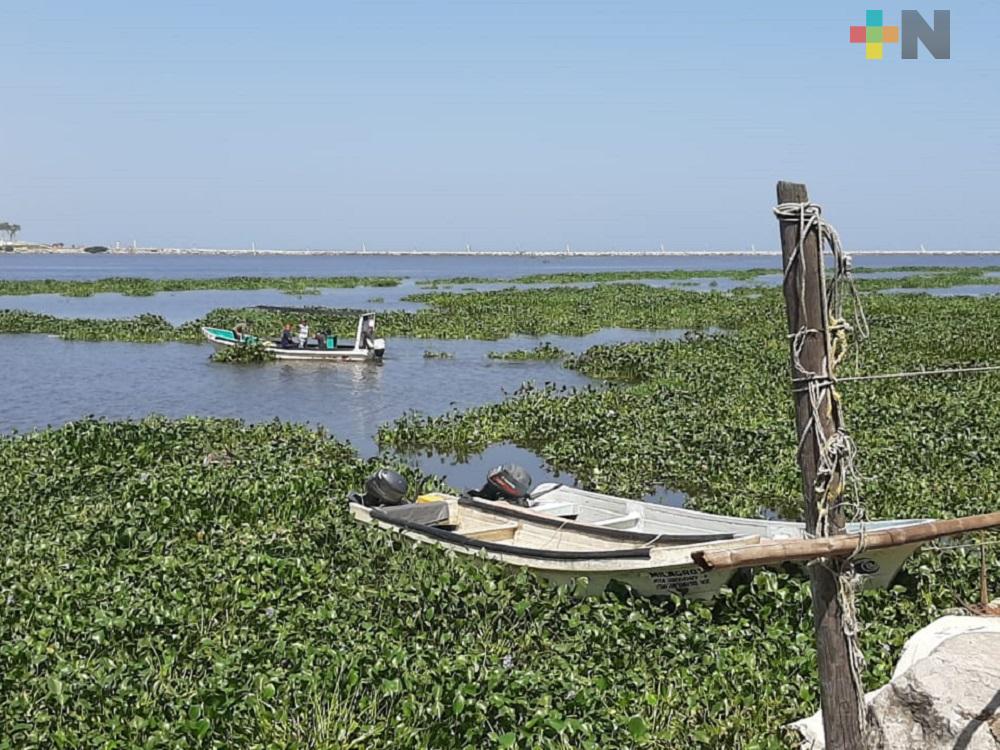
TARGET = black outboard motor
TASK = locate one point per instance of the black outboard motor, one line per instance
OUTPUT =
(384, 487)
(509, 482)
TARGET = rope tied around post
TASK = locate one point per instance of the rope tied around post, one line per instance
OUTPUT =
(836, 470)
(834, 481)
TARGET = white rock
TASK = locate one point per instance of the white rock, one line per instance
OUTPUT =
(924, 641)
(944, 693)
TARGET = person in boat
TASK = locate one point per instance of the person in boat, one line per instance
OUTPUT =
(303, 334)
(238, 332)
(286, 337)
(368, 333)
(320, 340)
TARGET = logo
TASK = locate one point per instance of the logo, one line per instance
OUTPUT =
(935, 38)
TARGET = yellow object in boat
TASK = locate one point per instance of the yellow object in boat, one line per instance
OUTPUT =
(432, 497)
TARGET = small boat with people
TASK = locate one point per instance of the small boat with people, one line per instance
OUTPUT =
(318, 347)
(563, 533)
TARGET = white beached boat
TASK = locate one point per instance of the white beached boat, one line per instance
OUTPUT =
(363, 348)
(558, 551)
(564, 534)
(878, 566)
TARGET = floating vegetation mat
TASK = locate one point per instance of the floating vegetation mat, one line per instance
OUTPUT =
(243, 354)
(143, 287)
(570, 311)
(198, 583)
(544, 351)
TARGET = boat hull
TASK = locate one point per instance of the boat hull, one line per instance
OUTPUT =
(223, 339)
(877, 568)
(646, 570)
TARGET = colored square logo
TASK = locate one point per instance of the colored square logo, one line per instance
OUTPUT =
(874, 35)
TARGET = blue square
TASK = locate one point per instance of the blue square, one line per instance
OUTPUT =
(873, 18)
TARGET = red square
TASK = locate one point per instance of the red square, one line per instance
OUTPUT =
(859, 34)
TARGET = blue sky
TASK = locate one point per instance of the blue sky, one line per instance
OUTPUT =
(502, 125)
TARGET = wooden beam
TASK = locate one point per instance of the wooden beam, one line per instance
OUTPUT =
(808, 318)
(797, 550)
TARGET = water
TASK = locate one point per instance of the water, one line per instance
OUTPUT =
(180, 307)
(417, 266)
(49, 381)
(960, 290)
(471, 471)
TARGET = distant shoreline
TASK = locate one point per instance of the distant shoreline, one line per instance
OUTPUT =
(34, 249)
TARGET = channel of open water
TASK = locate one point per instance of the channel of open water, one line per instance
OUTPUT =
(48, 381)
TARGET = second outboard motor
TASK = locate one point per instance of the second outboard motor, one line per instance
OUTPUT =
(508, 482)
(385, 487)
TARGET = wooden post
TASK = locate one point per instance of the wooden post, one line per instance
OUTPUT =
(805, 303)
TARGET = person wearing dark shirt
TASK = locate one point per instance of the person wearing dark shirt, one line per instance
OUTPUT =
(286, 337)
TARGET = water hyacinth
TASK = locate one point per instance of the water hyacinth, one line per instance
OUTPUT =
(159, 600)
(244, 353)
(544, 351)
(198, 583)
(144, 287)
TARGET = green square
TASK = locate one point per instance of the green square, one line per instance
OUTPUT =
(873, 18)
(874, 34)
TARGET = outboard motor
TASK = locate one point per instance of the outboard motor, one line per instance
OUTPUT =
(508, 482)
(384, 487)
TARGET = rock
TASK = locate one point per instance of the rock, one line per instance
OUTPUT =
(944, 693)
(950, 699)
(924, 641)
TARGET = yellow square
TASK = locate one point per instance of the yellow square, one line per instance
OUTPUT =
(873, 51)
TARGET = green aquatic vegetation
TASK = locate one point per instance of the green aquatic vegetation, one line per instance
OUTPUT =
(918, 277)
(199, 583)
(246, 353)
(712, 416)
(567, 311)
(481, 315)
(141, 287)
(572, 277)
(543, 351)
(933, 277)
(145, 328)
(428, 354)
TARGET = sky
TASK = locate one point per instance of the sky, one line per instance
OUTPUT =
(522, 124)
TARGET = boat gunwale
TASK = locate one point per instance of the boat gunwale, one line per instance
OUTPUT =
(461, 540)
(504, 509)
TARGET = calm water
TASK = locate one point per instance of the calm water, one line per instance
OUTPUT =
(179, 307)
(83, 266)
(48, 381)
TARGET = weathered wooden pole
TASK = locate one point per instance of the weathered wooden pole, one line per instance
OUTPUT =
(816, 418)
